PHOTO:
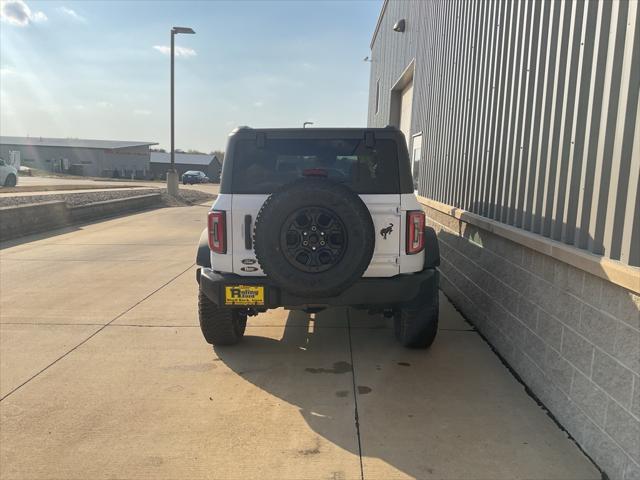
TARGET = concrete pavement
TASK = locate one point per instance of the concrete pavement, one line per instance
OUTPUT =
(104, 374)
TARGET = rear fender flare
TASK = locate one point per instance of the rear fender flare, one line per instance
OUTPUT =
(432, 249)
(203, 256)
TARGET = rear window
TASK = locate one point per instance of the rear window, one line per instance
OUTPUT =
(348, 161)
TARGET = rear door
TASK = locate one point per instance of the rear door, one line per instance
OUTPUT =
(387, 221)
(372, 172)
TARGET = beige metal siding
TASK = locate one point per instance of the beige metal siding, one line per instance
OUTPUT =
(529, 111)
(406, 101)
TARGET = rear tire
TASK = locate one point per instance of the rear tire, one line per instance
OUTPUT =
(10, 181)
(416, 323)
(220, 326)
(345, 215)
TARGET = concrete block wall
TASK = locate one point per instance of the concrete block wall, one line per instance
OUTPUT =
(91, 211)
(21, 220)
(572, 337)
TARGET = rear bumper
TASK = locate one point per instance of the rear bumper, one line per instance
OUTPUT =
(381, 292)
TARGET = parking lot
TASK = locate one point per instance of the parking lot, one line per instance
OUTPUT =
(104, 374)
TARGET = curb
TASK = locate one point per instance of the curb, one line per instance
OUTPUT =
(20, 220)
(72, 187)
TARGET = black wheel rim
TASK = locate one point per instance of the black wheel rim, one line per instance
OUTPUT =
(313, 239)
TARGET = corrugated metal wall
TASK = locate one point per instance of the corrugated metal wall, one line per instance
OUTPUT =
(529, 112)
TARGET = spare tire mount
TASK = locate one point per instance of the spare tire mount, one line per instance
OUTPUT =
(313, 239)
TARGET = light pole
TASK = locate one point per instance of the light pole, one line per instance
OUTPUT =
(172, 174)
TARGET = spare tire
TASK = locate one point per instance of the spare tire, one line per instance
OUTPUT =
(314, 237)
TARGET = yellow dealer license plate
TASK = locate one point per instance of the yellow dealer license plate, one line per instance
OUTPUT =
(243, 295)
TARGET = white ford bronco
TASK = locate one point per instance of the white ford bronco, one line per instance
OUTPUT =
(314, 218)
(8, 174)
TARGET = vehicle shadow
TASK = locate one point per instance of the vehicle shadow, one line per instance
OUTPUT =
(306, 364)
(421, 412)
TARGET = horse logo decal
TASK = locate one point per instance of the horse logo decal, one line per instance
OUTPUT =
(386, 231)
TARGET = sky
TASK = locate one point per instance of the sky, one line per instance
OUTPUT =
(100, 70)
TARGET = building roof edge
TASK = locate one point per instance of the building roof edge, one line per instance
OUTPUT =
(375, 32)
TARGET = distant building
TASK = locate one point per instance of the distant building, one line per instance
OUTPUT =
(209, 164)
(98, 158)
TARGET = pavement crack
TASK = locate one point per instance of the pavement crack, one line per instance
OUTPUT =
(97, 332)
(355, 395)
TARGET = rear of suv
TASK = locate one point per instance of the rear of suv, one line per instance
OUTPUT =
(8, 174)
(314, 218)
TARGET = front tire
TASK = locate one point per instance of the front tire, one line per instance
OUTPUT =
(220, 326)
(416, 323)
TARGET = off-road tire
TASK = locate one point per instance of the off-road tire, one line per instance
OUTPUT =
(343, 204)
(220, 326)
(10, 181)
(416, 323)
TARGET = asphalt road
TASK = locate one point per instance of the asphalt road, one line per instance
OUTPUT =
(104, 374)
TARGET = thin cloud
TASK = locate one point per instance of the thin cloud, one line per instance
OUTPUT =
(142, 112)
(7, 71)
(17, 12)
(104, 104)
(71, 13)
(258, 104)
(179, 51)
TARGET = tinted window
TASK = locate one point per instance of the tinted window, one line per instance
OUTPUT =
(348, 161)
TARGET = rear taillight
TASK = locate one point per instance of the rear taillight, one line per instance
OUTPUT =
(217, 228)
(315, 172)
(415, 231)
